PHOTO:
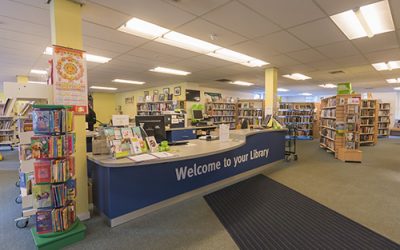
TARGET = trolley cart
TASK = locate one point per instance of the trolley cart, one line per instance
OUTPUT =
(290, 143)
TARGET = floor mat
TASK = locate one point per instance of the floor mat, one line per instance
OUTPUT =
(260, 213)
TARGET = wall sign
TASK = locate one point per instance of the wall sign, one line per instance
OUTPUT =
(70, 78)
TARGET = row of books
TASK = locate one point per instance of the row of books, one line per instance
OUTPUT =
(327, 143)
(331, 102)
(328, 133)
(223, 119)
(53, 171)
(298, 106)
(384, 105)
(45, 146)
(53, 195)
(167, 106)
(250, 105)
(383, 119)
(52, 121)
(55, 220)
(254, 112)
(296, 119)
(384, 113)
(222, 113)
(368, 121)
(6, 124)
(367, 130)
(367, 112)
(367, 138)
(226, 106)
(368, 103)
(328, 123)
(328, 112)
(296, 113)
(384, 126)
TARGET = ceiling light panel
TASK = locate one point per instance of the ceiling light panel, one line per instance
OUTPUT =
(328, 86)
(242, 83)
(128, 81)
(38, 72)
(282, 90)
(386, 66)
(306, 94)
(186, 42)
(394, 80)
(103, 88)
(144, 29)
(170, 71)
(37, 82)
(297, 77)
(397, 88)
(369, 20)
(89, 57)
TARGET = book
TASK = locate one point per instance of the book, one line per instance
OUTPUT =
(44, 221)
(71, 189)
(117, 134)
(135, 146)
(22, 180)
(126, 133)
(59, 195)
(40, 147)
(137, 133)
(41, 121)
(152, 143)
(42, 171)
(41, 196)
(109, 133)
(25, 152)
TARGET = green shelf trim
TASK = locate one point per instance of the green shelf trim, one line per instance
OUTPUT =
(47, 106)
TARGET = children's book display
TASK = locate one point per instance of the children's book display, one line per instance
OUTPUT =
(54, 189)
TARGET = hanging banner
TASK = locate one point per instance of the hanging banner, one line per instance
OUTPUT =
(70, 79)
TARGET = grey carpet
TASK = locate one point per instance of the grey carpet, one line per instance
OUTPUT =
(261, 213)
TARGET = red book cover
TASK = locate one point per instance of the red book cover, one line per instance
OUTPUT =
(42, 171)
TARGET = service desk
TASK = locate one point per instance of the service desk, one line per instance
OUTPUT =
(186, 133)
(123, 190)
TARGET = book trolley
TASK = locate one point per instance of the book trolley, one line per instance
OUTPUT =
(54, 186)
(299, 115)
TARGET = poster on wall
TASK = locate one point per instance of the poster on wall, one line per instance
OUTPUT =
(70, 79)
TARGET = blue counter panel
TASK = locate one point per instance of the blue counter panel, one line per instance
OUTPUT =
(121, 190)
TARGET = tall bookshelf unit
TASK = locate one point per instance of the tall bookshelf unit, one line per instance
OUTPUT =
(158, 107)
(300, 115)
(222, 113)
(339, 126)
(250, 110)
(383, 119)
(369, 122)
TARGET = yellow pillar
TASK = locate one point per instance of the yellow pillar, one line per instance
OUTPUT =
(66, 30)
(271, 95)
(22, 79)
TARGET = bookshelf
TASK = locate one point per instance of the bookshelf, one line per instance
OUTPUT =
(369, 122)
(339, 123)
(250, 110)
(383, 119)
(222, 113)
(300, 115)
(158, 107)
(6, 131)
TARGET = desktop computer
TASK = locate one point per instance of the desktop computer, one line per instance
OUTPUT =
(154, 125)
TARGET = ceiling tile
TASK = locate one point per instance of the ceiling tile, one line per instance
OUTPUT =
(356, 60)
(24, 27)
(197, 7)
(282, 61)
(25, 12)
(154, 11)
(307, 55)
(232, 16)
(282, 41)
(211, 61)
(395, 8)
(339, 49)
(24, 38)
(156, 58)
(255, 49)
(103, 44)
(384, 55)
(336, 6)
(318, 33)
(34, 3)
(300, 68)
(99, 14)
(286, 13)
(157, 47)
(202, 29)
(326, 65)
(378, 42)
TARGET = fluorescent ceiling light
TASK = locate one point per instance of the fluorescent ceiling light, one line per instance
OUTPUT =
(144, 29)
(386, 66)
(369, 20)
(282, 90)
(37, 82)
(397, 88)
(242, 83)
(231, 55)
(89, 57)
(306, 94)
(103, 88)
(39, 72)
(186, 42)
(393, 80)
(127, 81)
(170, 71)
(297, 76)
(255, 63)
(328, 86)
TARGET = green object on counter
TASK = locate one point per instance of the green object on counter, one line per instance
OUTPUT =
(163, 146)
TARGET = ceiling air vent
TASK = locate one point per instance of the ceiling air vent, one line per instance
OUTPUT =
(336, 72)
(223, 80)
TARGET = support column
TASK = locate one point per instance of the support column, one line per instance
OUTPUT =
(22, 79)
(271, 86)
(66, 31)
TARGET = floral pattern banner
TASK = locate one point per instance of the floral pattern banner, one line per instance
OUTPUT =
(70, 79)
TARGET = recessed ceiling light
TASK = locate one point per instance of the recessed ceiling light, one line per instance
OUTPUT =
(305, 94)
(369, 20)
(157, 33)
(37, 82)
(39, 71)
(127, 81)
(328, 86)
(297, 76)
(89, 57)
(103, 88)
(386, 66)
(170, 71)
(242, 83)
(397, 88)
(394, 80)
(282, 90)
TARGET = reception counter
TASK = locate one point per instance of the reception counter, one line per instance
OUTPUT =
(124, 190)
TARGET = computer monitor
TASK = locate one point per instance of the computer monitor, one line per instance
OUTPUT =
(197, 114)
(154, 125)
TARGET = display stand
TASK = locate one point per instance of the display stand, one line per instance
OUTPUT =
(384, 120)
(299, 115)
(54, 189)
(369, 122)
(252, 111)
(222, 113)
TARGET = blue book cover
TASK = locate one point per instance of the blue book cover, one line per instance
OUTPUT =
(41, 121)
(22, 180)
